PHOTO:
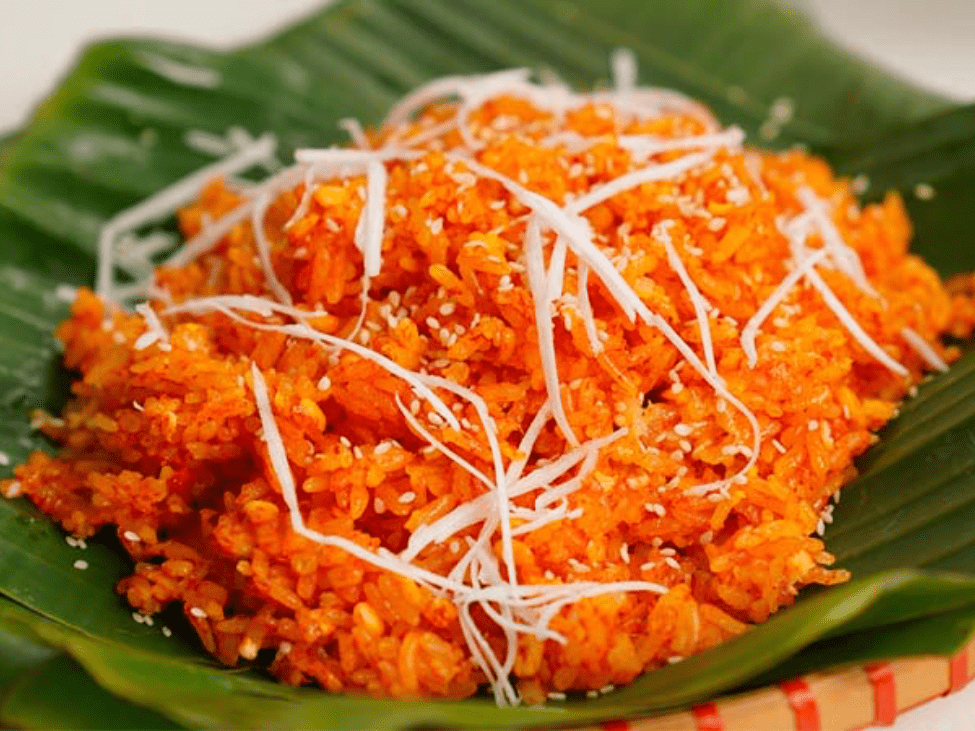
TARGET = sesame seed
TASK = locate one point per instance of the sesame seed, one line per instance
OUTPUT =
(779, 446)
(683, 430)
(80, 564)
(4, 459)
(407, 497)
(685, 445)
(324, 383)
(166, 631)
(578, 566)
(379, 505)
(556, 696)
(198, 613)
(923, 192)
(672, 562)
(447, 309)
(433, 323)
(813, 425)
(382, 447)
(13, 490)
(782, 110)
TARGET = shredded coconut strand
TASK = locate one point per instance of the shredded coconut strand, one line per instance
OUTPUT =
(924, 349)
(168, 200)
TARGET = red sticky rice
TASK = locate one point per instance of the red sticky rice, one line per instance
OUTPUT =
(165, 443)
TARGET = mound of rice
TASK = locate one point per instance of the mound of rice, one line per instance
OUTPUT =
(676, 526)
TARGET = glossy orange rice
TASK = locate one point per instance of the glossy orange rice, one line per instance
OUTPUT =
(164, 444)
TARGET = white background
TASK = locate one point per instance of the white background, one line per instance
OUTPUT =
(931, 42)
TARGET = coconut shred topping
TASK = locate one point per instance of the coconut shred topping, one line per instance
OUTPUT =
(480, 579)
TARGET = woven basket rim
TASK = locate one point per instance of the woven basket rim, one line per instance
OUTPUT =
(848, 698)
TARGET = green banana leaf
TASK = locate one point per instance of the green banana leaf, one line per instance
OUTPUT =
(114, 133)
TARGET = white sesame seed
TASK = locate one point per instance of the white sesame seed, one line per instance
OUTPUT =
(813, 425)
(433, 323)
(683, 430)
(324, 383)
(4, 459)
(407, 497)
(779, 446)
(80, 564)
(672, 562)
(782, 109)
(166, 631)
(447, 309)
(556, 696)
(13, 490)
(923, 192)
(655, 508)
(383, 447)
(198, 613)
(380, 505)
(578, 566)
(685, 445)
